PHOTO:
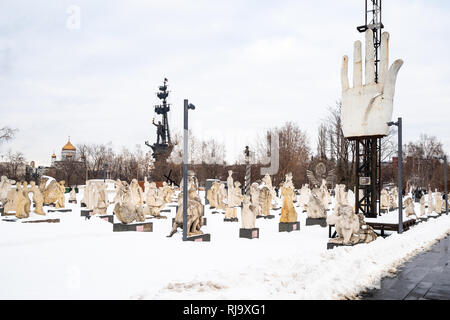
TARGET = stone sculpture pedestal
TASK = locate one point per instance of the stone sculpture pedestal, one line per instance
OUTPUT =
(270, 216)
(204, 221)
(138, 227)
(72, 201)
(86, 213)
(289, 226)
(331, 245)
(60, 210)
(424, 219)
(206, 237)
(249, 233)
(316, 221)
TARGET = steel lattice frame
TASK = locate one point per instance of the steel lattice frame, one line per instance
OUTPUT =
(368, 150)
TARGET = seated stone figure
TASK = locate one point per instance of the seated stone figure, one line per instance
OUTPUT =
(212, 194)
(248, 214)
(194, 212)
(167, 192)
(394, 198)
(154, 202)
(351, 228)
(316, 209)
(38, 199)
(52, 192)
(9, 203)
(126, 209)
(409, 207)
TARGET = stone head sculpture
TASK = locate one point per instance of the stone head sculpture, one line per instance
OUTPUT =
(367, 108)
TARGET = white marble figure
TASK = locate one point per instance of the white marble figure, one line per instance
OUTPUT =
(100, 199)
(248, 214)
(230, 186)
(422, 205)
(305, 194)
(255, 201)
(430, 201)
(385, 202)
(146, 187)
(316, 209)
(367, 108)
(409, 207)
(267, 181)
(136, 193)
(438, 202)
(72, 195)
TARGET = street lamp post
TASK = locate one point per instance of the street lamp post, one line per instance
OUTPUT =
(400, 165)
(445, 184)
(187, 106)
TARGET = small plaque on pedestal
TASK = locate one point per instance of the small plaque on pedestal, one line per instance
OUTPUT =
(138, 227)
(249, 233)
(230, 219)
(206, 237)
(289, 226)
(107, 217)
(316, 222)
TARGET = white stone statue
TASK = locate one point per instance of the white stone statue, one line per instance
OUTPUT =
(146, 187)
(366, 109)
(100, 199)
(230, 186)
(350, 227)
(430, 201)
(248, 214)
(268, 183)
(136, 195)
(305, 194)
(394, 198)
(385, 202)
(255, 201)
(316, 209)
(221, 197)
(409, 207)
(38, 198)
(438, 202)
(341, 197)
(5, 187)
(126, 210)
(72, 195)
(154, 202)
(422, 205)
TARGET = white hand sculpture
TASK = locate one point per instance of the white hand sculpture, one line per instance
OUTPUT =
(366, 109)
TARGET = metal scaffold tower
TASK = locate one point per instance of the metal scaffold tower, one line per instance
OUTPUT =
(368, 150)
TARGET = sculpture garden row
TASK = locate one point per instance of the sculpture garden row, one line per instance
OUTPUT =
(135, 206)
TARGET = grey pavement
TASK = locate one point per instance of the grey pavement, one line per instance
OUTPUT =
(425, 277)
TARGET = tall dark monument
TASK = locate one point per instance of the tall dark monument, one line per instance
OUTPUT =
(162, 148)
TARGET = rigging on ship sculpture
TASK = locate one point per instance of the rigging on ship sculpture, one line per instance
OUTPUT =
(162, 148)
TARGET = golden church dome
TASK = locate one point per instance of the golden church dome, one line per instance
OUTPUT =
(53, 156)
(69, 146)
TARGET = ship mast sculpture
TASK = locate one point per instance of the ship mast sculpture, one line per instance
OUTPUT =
(163, 146)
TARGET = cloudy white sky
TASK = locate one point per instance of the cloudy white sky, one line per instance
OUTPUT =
(247, 65)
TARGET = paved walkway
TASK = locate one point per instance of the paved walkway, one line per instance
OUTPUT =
(426, 276)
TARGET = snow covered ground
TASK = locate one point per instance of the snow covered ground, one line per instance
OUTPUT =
(85, 259)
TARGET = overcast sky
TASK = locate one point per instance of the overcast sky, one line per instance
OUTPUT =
(247, 65)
